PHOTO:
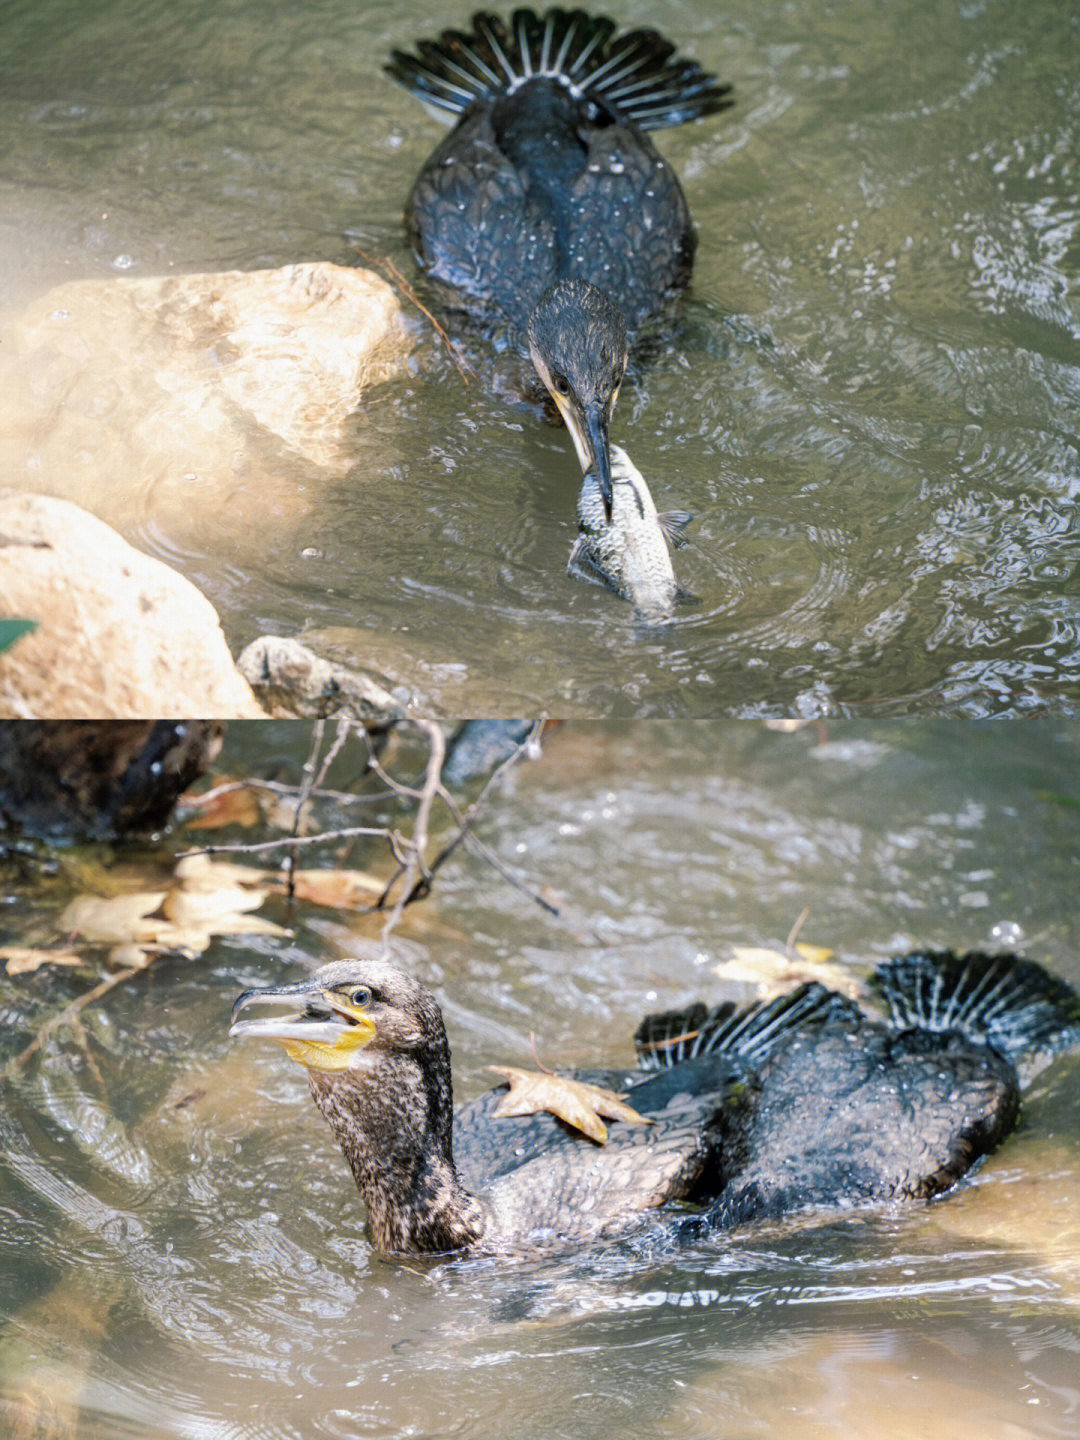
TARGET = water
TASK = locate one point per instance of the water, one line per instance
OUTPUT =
(182, 1247)
(869, 405)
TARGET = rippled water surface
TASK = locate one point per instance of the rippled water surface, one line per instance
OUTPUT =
(870, 404)
(182, 1248)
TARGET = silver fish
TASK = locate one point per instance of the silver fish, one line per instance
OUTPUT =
(630, 552)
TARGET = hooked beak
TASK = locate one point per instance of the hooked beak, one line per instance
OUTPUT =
(318, 1028)
(588, 428)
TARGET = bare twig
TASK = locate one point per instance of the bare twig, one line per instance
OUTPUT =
(257, 846)
(536, 1055)
(69, 1013)
(384, 262)
(793, 933)
(478, 847)
(417, 877)
(466, 821)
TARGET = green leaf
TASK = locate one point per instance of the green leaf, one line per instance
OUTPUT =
(12, 630)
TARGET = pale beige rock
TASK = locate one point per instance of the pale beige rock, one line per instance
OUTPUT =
(206, 402)
(119, 634)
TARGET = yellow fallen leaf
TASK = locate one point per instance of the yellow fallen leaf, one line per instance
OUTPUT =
(814, 954)
(578, 1104)
(773, 972)
(20, 959)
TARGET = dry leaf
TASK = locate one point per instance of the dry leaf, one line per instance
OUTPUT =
(577, 1103)
(201, 872)
(20, 959)
(204, 907)
(814, 954)
(338, 889)
(113, 921)
(221, 806)
(774, 973)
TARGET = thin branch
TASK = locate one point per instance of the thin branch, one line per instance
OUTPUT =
(384, 261)
(257, 846)
(416, 874)
(69, 1013)
(793, 933)
(478, 847)
(466, 821)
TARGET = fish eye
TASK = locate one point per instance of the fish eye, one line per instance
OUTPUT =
(361, 996)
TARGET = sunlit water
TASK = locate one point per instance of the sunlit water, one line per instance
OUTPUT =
(870, 405)
(183, 1250)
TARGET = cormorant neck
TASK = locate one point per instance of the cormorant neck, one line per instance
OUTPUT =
(394, 1122)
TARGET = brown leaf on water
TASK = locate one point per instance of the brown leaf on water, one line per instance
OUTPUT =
(221, 806)
(580, 1105)
(21, 959)
(338, 889)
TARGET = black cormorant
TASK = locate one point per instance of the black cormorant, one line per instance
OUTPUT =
(801, 1102)
(547, 211)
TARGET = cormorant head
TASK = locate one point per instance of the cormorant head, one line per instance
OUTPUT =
(577, 340)
(346, 1016)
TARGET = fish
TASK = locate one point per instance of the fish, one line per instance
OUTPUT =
(630, 552)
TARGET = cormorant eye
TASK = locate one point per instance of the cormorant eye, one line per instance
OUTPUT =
(562, 385)
(361, 997)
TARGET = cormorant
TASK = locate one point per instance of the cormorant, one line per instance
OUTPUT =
(800, 1102)
(547, 210)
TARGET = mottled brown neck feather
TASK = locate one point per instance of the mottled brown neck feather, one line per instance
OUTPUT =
(394, 1122)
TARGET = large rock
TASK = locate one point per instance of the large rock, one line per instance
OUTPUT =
(95, 779)
(118, 633)
(203, 402)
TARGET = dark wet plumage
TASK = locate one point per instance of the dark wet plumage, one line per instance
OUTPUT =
(548, 194)
(759, 1113)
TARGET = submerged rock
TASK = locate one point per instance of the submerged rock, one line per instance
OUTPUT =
(118, 634)
(293, 682)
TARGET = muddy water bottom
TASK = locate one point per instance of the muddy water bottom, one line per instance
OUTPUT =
(866, 406)
(182, 1247)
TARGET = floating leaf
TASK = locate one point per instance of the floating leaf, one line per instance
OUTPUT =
(773, 972)
(205, 908)
(116, 920)
(202, 872)
(221, 806)
(338, 889)
(21, 959)
(814, 954)
(533, 1092)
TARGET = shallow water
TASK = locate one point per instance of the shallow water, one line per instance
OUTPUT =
(183, 1250)
(869, 406)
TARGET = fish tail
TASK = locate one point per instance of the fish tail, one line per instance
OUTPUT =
(637, 71)
(1004, 1001)
(749, 1033)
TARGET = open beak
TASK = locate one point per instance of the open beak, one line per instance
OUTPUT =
(317, 1028)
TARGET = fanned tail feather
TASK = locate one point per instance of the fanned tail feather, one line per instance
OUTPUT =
(748, 1033)
(637, 72)
(1000, 1000)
